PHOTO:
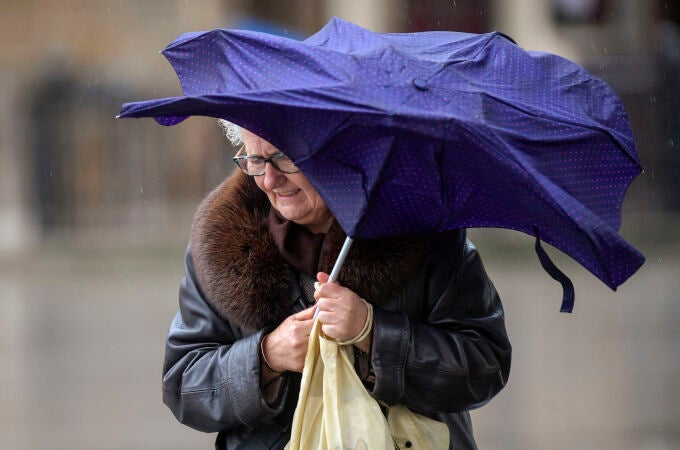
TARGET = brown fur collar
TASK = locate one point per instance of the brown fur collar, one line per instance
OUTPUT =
(245, 278)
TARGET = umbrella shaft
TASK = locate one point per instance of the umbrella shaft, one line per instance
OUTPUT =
(341, 260)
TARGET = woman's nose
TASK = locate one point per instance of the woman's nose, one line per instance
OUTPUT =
(272, 176)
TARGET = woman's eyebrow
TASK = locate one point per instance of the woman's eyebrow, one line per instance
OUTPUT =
(263, 154)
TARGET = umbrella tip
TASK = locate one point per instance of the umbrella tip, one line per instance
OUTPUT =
(117, 116)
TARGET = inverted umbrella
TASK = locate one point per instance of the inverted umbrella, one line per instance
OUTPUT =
(424, 132)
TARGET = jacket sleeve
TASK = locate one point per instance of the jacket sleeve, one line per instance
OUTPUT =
(446, 350)
(211, 372)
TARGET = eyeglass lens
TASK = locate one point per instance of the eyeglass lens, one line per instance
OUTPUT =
(255, 165)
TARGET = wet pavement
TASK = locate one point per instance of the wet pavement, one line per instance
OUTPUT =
(82, 332)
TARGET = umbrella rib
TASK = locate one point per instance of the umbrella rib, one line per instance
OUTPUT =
(571, 123)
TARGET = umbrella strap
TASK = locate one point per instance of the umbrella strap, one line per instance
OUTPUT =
(557, 275)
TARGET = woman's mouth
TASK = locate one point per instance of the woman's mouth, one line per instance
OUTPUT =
(287, 193)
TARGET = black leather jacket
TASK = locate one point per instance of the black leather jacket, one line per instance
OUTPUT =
(439, 347)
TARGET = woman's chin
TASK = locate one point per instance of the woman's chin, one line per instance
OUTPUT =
(289, 213)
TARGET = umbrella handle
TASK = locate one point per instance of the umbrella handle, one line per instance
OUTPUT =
(341, 260)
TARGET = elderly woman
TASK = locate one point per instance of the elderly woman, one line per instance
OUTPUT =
(237, 346)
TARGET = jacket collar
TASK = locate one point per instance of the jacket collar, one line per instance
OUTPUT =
(246, 279)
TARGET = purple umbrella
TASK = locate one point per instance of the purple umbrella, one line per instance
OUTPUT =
(424, 132)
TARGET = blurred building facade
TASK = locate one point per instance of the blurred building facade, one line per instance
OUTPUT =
(66, 166)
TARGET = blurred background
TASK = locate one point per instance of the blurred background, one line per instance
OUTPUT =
(95, 216)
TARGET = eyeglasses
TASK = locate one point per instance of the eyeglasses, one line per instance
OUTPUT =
(255, 165)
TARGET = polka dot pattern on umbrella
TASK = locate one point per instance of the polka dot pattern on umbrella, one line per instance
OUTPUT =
(423, 132)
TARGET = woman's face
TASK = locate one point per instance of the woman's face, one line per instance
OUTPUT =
(290, 194)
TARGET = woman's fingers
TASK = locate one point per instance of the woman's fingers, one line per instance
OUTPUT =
(331, 290)
(305, 315)
(342, 318)
(286, 347)
(342, 312)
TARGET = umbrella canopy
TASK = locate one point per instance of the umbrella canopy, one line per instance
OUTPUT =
(424, 132)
